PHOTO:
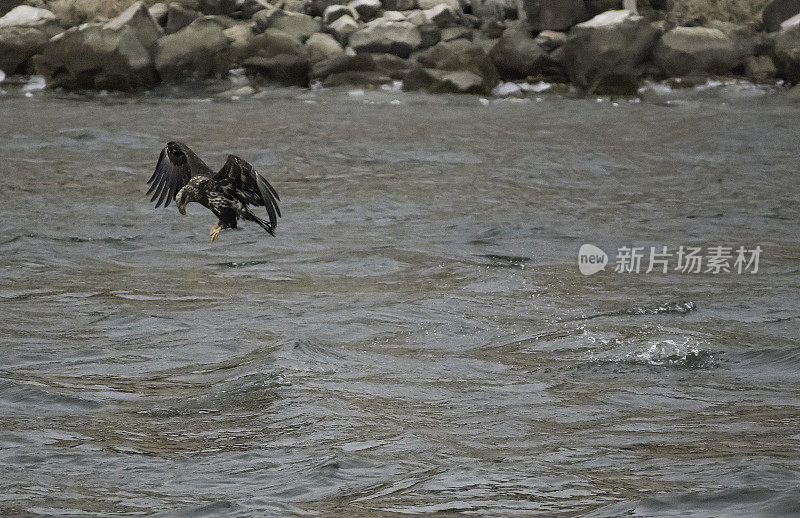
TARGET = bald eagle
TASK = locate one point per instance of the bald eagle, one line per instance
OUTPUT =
(181, 175)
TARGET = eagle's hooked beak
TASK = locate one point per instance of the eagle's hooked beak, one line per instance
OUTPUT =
(182, 209)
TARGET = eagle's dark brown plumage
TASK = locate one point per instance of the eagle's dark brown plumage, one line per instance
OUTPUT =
(181, 175)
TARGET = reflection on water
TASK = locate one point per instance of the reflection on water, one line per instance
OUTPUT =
(418, 337)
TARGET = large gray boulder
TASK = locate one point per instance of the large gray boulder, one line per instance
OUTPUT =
(607, 53)
(138, 18)
(443, 81)
(495, 9)
(337, 11)
(244, 43)
(744, 40)
(399, 5)
(95, 56)
(787, 52)
(342, 27)
(555, 15)
(695, 50)
(357, 79)
(317, 7)
(443, 15)
(778, 11)
(158, 11)
(517, 55)
(224, 7)
(458, 55)
(322, 46)
(283, 69)
(366, 9)
(391, 65)
(24, 31)
(399, 38)
(760, 69)
(179, 17)
(430, 4)
(26, 16)
(342, 64)
(300, 26)
(18, 45)
(198, 50)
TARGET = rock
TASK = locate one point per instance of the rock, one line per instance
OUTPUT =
(461, 55)
(787, 52)
(555, 15)
(794, 93)
(96, 57)
(443, 81)
(18, 45)
(359, 79)
(298, 25)
(455, 33)
(342, 28)
(284, 69)
(399, 5)
(778, 11)
(199, 49)
(179, 17)
(26, 16)
(429, 35)
(366, 9)
(337, 11)
(224, 7)
(760, 69)
(517, 55)
(343, 63)
(138, 18)
(391, 65)
(399, 38)
(430, 4)
(322, 46)
(550, 40)
(744, 41)
(393, 16)
(158, 12)
(262, 18)
(241, 41)
(442, 15)
(687, 51)
(606, 54)
(470, 21)
(273, 42)
(596, 7)
(294, 6)
(417, 17)
(246, 9)
(495, 9)
(317, 7)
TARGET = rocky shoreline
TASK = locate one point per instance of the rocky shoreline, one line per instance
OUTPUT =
(442, 46)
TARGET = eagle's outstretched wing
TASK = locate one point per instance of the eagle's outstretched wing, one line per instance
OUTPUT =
(249, 187)
(176, 165)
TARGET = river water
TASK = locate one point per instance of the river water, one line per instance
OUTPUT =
(418, 336)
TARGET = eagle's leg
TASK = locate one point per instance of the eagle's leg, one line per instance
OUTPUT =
(214, 232)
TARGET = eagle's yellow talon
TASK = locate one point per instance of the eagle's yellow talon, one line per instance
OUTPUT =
(214, 232)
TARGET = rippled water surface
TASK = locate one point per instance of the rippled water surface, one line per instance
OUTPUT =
(418, 337)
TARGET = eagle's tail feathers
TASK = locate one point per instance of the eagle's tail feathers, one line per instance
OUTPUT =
(264, 224)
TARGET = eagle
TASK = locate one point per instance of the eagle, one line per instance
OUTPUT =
(181, 175)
